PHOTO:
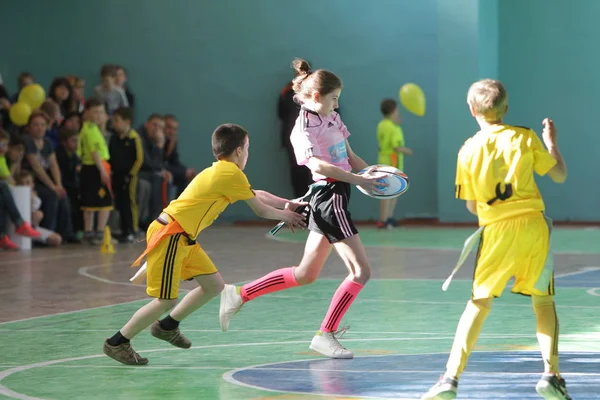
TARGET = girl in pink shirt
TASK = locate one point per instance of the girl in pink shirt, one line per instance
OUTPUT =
(320, 141)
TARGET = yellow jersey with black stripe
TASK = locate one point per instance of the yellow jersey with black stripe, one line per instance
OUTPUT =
(126, 153)
(496, 169)
(208, 195)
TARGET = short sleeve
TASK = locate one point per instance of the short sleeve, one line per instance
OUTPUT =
(305, 143)
(4, 170)
(238, 188)
(542, 159)
(464, 183)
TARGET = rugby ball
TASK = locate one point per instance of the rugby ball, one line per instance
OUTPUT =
(397, 182)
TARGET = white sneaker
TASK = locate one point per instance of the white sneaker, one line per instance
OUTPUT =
(444, 389)
(231, 303)
(327, 344)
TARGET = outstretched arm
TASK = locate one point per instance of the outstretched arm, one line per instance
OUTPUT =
(270, 199)
(292, 218)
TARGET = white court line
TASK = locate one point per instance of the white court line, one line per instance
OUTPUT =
(228, 376)
(594, 292)
(304, 298)
(391, 246)
(352, 371)
(349, 332)
(348, 336)
(83, 271)
(11, 393)
(580, 271)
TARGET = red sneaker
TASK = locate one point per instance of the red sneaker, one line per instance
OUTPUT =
(27, 230)
(6, 243)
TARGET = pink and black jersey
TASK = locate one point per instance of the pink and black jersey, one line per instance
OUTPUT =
(325, 138)
(322, 137)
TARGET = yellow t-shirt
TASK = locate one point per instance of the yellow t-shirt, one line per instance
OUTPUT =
(208, 195)
(4, 170)
(496, 169)
(91, 139)
(389, 137)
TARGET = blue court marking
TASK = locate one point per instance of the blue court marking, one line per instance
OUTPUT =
(584, 279)
(490, 375)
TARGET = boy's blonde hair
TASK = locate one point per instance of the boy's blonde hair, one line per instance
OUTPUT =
(488, 98)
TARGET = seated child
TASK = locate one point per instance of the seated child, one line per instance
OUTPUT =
(46, 237)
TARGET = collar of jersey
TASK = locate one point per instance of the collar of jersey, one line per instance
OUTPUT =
(323, 117)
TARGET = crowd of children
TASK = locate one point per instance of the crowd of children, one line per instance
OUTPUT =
(83, 159)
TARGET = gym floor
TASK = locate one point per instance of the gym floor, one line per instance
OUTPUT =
(60, 304)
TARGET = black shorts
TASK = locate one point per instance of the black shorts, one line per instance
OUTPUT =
(329, 213)
(94, 195)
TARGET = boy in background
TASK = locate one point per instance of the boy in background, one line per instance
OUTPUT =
(108, 91)
(126, 158)
(392, 150)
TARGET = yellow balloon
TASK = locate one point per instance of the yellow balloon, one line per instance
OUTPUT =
(34, 95)
(413, 98)
(19, 113)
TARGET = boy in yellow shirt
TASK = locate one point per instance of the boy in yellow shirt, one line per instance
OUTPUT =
(392, 150)
(173, 254)
(495, 175)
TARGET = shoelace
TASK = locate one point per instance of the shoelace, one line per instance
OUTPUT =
(340, 332)
(130, 351)
(175, 336)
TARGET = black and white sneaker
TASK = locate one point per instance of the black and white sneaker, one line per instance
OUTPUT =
(445, 389)
(551, 387)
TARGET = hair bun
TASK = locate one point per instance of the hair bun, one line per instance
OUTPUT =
(301, 66)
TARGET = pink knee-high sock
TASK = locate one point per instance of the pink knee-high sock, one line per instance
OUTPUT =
(272, 282)
(342, 299)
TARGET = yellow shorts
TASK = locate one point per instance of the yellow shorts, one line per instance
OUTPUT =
(517, 247)
(174, 259)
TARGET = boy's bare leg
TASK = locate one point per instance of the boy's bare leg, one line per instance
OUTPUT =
(168, 328)
(467, 333)
(209, 287)
(145, 316)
